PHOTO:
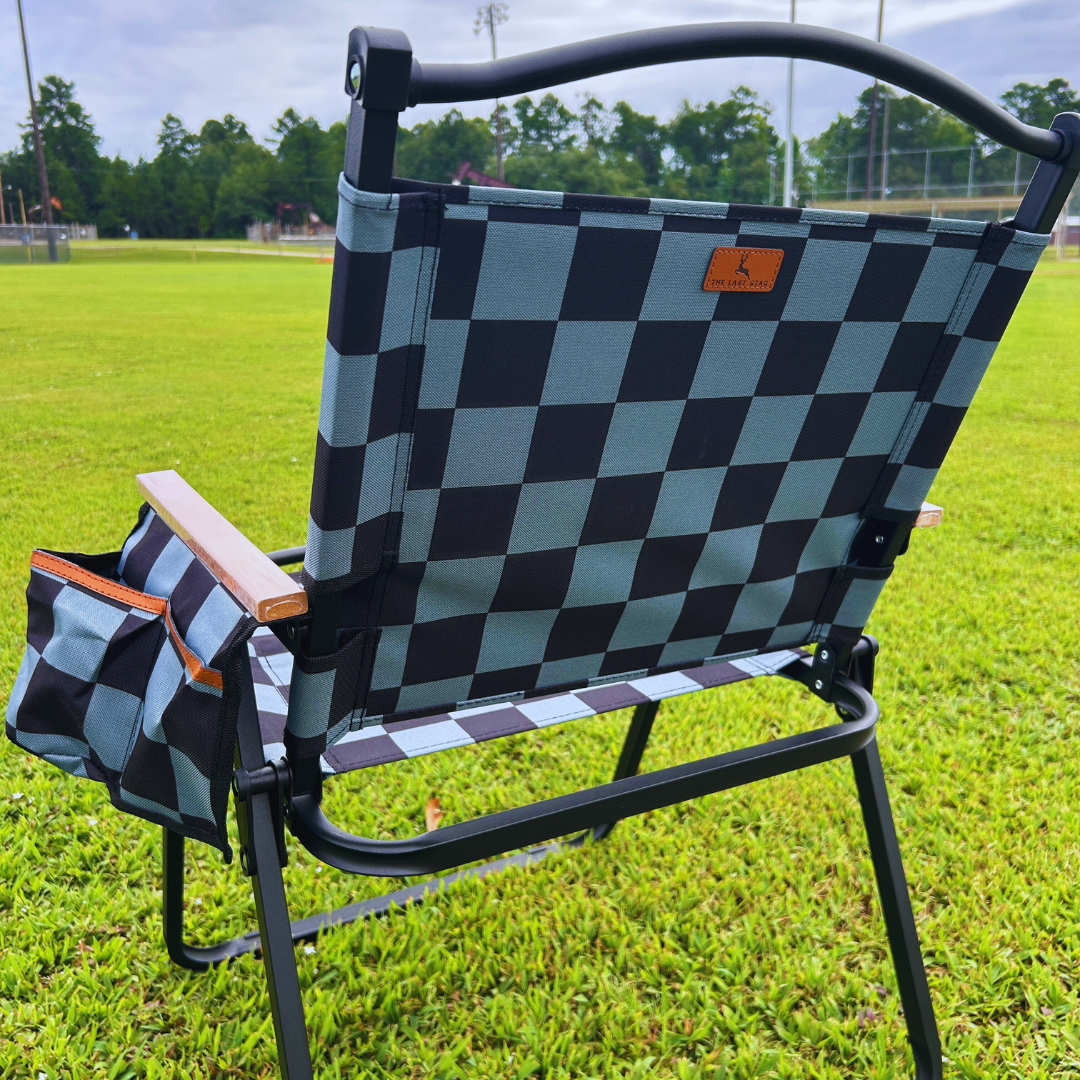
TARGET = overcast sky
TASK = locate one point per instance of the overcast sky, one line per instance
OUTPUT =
(133, 61)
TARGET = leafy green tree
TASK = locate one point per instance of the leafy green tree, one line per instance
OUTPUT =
(184, 209)
(217, 144)
(120, 197)
(309, 163)
(1036, 105)
(334, 157)
(546, 125)
(724, 150)
(246, 191)
(1039, 105)
(914, 126)
(71, 148)
(555, 150)
(433, 150)
(71, 153)
(575, 168)
(639, 140)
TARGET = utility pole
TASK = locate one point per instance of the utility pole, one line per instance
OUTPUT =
(885, 148)
(884, 119)
(789, 156)
(488, 16)
(39, 150)
(3, 221)
(873, 116)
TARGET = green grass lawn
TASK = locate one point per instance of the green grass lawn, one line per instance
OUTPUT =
(738, 936)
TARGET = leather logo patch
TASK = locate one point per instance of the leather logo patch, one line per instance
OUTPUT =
(734, 269)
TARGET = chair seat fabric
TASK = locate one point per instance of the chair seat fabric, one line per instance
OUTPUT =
(272, 665)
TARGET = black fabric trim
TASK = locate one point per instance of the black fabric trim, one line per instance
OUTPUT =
(904, 517)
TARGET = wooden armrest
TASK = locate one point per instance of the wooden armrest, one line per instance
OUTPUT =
(263, 588)
(929, 516)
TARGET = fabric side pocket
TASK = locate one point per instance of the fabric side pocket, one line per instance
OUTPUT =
(169, 771)
(110, 690)
(91, 644)
(326, 691)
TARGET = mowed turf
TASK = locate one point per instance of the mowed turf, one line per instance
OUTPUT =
(738, 936)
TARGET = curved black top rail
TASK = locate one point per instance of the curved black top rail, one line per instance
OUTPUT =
(446, 83)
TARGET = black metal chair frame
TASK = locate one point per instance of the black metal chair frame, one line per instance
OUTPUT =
(383, 79)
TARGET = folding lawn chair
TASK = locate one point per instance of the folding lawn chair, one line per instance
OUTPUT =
(575, 454)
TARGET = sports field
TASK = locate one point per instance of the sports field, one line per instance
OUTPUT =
(736, 937)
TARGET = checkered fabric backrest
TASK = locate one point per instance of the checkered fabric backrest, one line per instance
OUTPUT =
(131, 677)
(547, 456)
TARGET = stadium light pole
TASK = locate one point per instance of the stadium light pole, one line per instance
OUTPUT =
(789, 154)
(39, 150)
(488, 16)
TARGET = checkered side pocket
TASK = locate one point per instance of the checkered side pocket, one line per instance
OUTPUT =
(549, 458)
(131, 677)
(323, 691)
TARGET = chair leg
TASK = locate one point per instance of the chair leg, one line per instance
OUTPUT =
(193, 957)
(262, 859)
(899, 919)
(275, 934)
(633, 747)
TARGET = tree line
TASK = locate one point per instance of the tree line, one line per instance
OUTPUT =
(928, 148)
(215, 181)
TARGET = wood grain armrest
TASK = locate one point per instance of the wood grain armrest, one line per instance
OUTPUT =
(929, 516)
(263, 588)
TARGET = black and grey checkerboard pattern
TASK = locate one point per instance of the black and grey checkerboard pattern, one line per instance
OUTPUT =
(397, 740)
(113, 689)
(546, 457)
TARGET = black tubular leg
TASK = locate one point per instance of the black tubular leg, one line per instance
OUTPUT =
(192, 957)
(275, 934)
(892, 888)
(172, 901)
(259, 839)
(636, 737)
(899, 919)
(633, 747)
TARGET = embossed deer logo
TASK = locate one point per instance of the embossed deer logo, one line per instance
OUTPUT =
(742, 267)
